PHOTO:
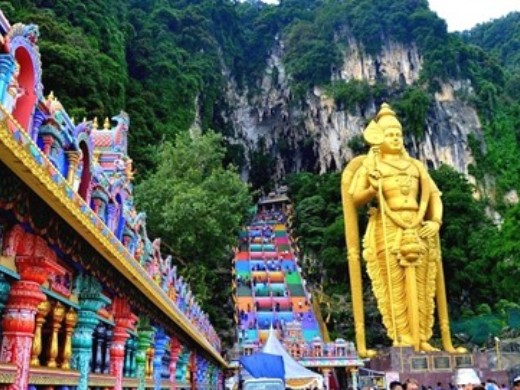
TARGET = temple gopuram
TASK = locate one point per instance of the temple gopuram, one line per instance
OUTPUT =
(270, 292)
(88, 300)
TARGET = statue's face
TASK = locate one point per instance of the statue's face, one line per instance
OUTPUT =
(393, 141)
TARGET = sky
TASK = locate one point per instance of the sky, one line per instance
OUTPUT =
(465, 14)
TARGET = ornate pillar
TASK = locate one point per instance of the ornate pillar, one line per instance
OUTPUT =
(73, 157)
(98, 351)
(90, 301)
(57, 315)
(35, 266)
(213, 376)
(201, 372)
(149, 361)
(126, 365)
(175, 350)
(133, 361)
(129, 369)
(217, 378)
(161, 340)
(71, 319)
(38, 118)
(125, 321)
(43, 309)
(220, 379)
(208, 375)
(144, 340)
(111, 214)
(326, 377)
(354, 372)
(48, 141)
(182, 366)
(5, 288)
(193, 370)
(108, 344)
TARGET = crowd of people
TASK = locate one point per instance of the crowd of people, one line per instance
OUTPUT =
(460, 384)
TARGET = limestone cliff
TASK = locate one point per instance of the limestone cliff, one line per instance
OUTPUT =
(314, 134)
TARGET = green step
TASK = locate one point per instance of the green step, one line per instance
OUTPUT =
(296, 290)
(244, 291)
(293, 278)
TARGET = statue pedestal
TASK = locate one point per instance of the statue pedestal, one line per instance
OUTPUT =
(429, 368)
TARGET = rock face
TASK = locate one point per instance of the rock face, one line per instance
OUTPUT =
(315, 134)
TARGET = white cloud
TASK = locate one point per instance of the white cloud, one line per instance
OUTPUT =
(465, 14)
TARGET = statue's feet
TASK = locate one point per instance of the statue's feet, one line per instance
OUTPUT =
(367, 353)
(427, 347)
(403, 341)
(448, 347)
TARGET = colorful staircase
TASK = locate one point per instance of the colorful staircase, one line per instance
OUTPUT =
(270, 290)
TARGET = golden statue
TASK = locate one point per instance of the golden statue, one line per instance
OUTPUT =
(401, 245)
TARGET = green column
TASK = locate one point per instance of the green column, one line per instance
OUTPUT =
(5, 288)
(182, 366)
(145, 335)
(90, 301)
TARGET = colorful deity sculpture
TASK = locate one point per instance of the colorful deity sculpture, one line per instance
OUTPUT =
(401, 244)
(14, 90)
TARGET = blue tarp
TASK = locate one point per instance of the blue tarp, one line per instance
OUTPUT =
(264, 365)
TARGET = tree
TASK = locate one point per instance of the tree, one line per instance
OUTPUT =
(507, 248)
(197, 207)
(468, 264)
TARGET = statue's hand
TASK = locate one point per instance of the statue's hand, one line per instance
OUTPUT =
(429, 229)
(374, 178)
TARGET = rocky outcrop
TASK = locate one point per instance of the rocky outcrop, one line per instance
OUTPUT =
(315, 134)
(396, 64)
(449, 124)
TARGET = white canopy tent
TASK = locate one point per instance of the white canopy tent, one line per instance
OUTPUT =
(296, 375)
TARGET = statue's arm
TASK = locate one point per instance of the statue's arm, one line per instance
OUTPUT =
(361, 190)
(433, 217)
(435, 209)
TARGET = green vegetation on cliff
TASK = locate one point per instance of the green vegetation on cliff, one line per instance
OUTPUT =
(500, 38)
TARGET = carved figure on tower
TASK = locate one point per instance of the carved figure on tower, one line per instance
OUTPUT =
(14, 90)
(401, 245)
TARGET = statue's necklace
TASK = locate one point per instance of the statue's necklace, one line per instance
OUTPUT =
(404, 181)
(402, 167)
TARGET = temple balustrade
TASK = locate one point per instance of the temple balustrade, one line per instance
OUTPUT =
(87, 299)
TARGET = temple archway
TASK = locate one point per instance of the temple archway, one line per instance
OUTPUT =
(23, 110)
(86, 176)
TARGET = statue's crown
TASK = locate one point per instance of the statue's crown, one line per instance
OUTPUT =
(386, 118)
